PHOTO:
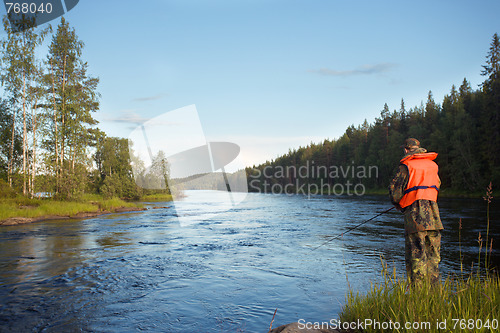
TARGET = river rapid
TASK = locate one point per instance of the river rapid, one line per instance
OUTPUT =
(226, 272)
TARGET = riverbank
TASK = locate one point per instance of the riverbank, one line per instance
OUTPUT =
(82, 215)
(394, 305)
(157, 197)
(21, 210)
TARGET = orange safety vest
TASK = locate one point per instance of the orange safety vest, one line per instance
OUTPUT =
(424, 180)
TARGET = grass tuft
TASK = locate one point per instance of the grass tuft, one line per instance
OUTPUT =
(395, 300)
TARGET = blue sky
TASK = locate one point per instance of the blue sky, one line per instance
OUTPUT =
(273, 75)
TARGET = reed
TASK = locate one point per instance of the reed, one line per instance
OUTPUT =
(488, 197)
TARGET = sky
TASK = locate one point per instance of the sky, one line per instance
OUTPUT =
(275, 75)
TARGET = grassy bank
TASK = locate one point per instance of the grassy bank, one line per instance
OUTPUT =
(23, 207)
(157, 197)
(457, 304)
(33, 208)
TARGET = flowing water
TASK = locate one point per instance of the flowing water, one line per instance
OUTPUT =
(147, 272)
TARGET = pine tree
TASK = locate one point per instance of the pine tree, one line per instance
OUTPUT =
(71, 100)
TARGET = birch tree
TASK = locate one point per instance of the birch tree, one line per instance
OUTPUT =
(19, 73)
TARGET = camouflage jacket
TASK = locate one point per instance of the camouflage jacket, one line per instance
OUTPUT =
(422, 214)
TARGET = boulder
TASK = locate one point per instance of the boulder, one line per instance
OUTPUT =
(295, 328)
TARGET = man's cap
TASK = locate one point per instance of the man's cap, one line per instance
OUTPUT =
(411, 143)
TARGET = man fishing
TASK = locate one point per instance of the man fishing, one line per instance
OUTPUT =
(414, 192)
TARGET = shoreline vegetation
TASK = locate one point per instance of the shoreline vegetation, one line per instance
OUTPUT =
(21, 210)
(467, 302)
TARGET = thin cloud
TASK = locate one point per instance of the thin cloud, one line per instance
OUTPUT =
(129, 117)
(149, 98)
(363, 70)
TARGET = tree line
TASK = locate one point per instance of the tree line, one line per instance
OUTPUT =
(49, 141)
(463, 130)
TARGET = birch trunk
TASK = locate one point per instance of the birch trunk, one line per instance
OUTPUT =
(24, 133)
(33, 167)
(55, 123)
(11, 158)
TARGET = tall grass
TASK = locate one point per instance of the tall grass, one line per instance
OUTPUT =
(157, 197)
(469, 303)
(455, 300)
(45, 208)
(488, 198)
(32, 208)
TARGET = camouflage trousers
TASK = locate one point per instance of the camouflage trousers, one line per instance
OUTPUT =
(422, 256)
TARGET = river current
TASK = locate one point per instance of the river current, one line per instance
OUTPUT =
(228, 272)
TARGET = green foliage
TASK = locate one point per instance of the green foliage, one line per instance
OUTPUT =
(464, 130)
(20, 78)
(71, 182)
(69, 102)
(6, 125)
(6, 191)
(114, 171)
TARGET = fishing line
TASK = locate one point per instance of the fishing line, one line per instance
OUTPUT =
(350, 229)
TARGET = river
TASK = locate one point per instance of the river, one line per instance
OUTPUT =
(145, 271)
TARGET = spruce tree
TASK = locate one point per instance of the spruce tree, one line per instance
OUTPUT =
(489, 119)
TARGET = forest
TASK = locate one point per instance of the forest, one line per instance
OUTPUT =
(463, 129)
(49, 139)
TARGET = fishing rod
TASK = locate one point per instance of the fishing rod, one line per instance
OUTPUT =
(350, 229)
